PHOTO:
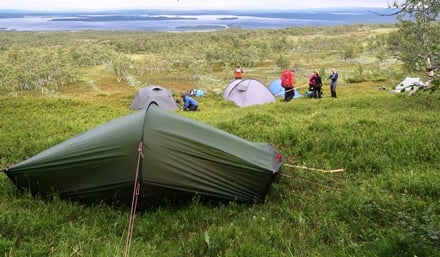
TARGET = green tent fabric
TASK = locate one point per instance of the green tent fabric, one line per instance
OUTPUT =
(179, 157)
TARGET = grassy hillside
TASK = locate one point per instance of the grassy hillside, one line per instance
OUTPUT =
(384, 203)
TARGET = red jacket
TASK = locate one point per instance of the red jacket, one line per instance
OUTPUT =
(312, 79)
(238, 72)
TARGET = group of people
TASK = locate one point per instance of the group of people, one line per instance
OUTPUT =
(315, 83)
(287, 82)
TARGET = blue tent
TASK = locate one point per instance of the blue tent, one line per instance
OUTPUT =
(277, 90)
(197, 92)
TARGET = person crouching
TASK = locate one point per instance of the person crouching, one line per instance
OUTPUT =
(189, 104)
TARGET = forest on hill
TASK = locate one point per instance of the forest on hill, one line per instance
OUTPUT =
(48, 61)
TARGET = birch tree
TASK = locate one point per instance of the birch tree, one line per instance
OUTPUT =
(419, 35)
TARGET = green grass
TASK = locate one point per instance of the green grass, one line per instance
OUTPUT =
(385, 203)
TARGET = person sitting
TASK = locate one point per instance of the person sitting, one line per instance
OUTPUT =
(189, 104)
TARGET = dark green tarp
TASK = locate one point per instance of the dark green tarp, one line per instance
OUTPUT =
(179, 157)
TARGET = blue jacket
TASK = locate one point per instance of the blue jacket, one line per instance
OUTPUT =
(334, 78)
(189, 101)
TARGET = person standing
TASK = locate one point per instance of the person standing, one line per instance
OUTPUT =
(287, 80)
(238, 72)
(333, 81)
(189, 104)
(311, 84)
(311, 81)
(317, 86)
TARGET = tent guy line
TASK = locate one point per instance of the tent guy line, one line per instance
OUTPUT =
(307, 181)
(308, 168)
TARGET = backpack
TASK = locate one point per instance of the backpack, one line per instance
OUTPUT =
(286, 79)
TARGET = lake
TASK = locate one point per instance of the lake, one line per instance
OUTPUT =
(166, 20)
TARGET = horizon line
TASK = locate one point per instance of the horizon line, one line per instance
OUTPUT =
(191, 9)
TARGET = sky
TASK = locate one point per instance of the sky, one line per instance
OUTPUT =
(70, 5)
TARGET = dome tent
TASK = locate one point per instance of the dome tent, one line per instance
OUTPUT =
(247, 92)
(277, 90)
(160, 95)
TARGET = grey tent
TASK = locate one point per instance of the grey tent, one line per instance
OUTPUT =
(408, 84)
(247, 92)
(173, 155)
(162, 96)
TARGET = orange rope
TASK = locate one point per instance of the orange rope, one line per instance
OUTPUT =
(134, 201)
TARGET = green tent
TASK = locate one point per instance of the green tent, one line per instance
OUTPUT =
(174, 156)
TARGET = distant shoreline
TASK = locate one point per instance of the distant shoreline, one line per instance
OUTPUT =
(111, 18)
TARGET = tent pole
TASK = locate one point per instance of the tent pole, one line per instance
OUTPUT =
(134, 201)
